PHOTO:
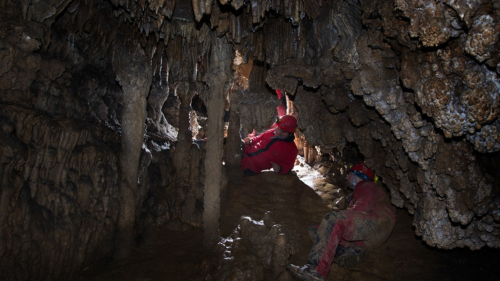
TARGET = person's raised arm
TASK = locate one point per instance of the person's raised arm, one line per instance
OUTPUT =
(282, 107)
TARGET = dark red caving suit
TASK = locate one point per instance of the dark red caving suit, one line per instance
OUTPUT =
(266, 148)
(367, 223)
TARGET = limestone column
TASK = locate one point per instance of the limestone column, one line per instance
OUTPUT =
(182, 158)
(233, 145)
(134, 74)
(219, 79)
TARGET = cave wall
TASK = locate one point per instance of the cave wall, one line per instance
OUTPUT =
(62, 109)
(415, 84)
(60, 170)
(59, 195)
(405, 86)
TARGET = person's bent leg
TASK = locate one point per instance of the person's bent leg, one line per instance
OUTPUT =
(327, 240)
(370, 228)
(247, 165)
(363, 232)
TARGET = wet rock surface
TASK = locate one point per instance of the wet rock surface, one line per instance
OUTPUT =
(256, 250)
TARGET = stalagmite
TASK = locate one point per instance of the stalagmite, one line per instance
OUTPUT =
(219, 79)
(232, 156)
(134, 75)
(184, 160)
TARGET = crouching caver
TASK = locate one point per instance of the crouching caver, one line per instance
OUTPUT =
(364, 226)
(275, 148)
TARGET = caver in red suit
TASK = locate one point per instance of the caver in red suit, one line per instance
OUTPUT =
(272, 147)
(366, 224)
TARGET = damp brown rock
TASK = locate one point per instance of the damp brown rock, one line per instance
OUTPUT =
(256, 250)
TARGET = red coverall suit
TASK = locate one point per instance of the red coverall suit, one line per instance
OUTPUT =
(265, 149)
(367, 223)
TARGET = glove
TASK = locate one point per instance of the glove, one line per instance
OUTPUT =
(278, 92)
(276, 167)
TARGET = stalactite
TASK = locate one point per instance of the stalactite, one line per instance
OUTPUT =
(276, 5)
(202, 6)
(155, 63)
(237, 4)
(197, 10)
(237, 29)
(297, 11)
(214, 18)
(255, 10)
(208, 6)
(287, 8)
(166, 29)
(224, 25)
(231, 35)
(168, 8)
(164, 69)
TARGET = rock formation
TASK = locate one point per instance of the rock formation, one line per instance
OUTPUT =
(256, 250)
(413, 84)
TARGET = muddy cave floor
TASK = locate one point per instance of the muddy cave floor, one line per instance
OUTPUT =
(177, 253)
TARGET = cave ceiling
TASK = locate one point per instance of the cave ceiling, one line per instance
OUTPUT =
(414, 84)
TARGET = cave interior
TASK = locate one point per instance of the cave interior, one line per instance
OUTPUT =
(112, 124)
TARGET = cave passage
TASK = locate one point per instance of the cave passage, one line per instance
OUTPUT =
(101, 100)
